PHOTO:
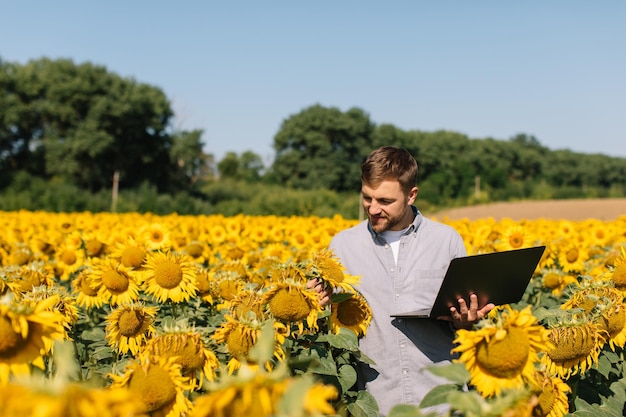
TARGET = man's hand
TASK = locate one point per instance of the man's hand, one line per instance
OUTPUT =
(323, 293)
(464, 317)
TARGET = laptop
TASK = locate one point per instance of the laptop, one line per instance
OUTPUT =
(498, 277)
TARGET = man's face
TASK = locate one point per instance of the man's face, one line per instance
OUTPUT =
(387, 206)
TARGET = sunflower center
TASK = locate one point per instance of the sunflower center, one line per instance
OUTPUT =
(155, 387)
(10, 340)
(168, 274)
(572, 255)
(516, 241)
(547, 399)
(133, 257)
(69, 257)
(504, 357)
(189, 356)
(86, 289)
(552, 280)
(349, 313)
(94, 247)
(227, 289)
(239, 342)
(332, 272)
(289, 305)
(114, 281)
(570, 343)
(130, 322)
(194, 250)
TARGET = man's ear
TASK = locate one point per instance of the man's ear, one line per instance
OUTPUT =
(412, 195)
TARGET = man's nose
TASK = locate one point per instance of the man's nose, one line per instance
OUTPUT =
(373, 208)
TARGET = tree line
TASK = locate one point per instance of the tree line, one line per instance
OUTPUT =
(68, 130)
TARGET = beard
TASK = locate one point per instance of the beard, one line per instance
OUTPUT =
(382, 223)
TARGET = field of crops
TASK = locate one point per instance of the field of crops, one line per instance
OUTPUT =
(143, 315)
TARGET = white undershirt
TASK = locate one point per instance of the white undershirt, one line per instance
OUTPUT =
(393, 239)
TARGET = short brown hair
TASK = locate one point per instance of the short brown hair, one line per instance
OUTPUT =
(390, 163)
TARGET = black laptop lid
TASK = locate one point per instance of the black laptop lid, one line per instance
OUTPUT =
(498, 277)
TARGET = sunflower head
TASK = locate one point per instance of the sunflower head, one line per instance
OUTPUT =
(130, 326)
(170, 276)
(551, 393)
(501, 353)
(332, 272)
(353, 313)
(292, 302)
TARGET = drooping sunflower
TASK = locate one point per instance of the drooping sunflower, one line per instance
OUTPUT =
(27, 333)
(551, 393)
(159, 385)
(65, 304)
(197, 360)
(332, 272)
(502, 352)
(31, 275)
(604, 305)
(116, 283)
(293, 303)
(576, 346)
(130, 326)
(246, 301)
(170, 276)
(353, 313)
(239, 336)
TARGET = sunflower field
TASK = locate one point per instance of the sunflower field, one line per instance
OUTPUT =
(132, 314)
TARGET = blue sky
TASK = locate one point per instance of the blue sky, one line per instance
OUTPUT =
(236, 69)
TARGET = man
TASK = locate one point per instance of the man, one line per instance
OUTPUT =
(401, 258)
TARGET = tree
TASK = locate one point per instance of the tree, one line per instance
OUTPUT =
(188, 155)
(322, 148)
(248, 167)
(81, 123)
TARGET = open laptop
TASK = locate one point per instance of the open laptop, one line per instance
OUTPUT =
(498, 277)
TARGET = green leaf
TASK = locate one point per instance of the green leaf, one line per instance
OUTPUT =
(101, 353)
(347, 377)
(405, 410)
(340, 297)
(346, 339)
(455, 372)
(364, 406)
(95, 334)
(438, 395)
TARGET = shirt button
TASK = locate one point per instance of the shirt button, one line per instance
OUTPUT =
(402, 345)
(405, 371)
(391, 270)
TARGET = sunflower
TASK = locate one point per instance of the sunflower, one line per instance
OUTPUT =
(248, 301)
(572, 257)
(514, 237)
(32, 275)
(170, 276)
(130, 326)
(197, 251)
(249, 393)
(332, 272)
(203, 283)
(501, 353)
(196, 359)
(618, 275)
(27, 333)
(556, 280)
(158, 384)
(85, 291)
(131, 253)
(21, 254)
(68, 259)
(157, 236)
(551, 393)
(353, 313)
(65, 304)
(116, 283)
(576, 347)
(239, 336)
(293, 303)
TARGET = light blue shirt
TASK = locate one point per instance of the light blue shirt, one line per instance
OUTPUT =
(400, 347)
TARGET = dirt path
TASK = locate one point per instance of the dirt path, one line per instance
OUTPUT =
(602, 209)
